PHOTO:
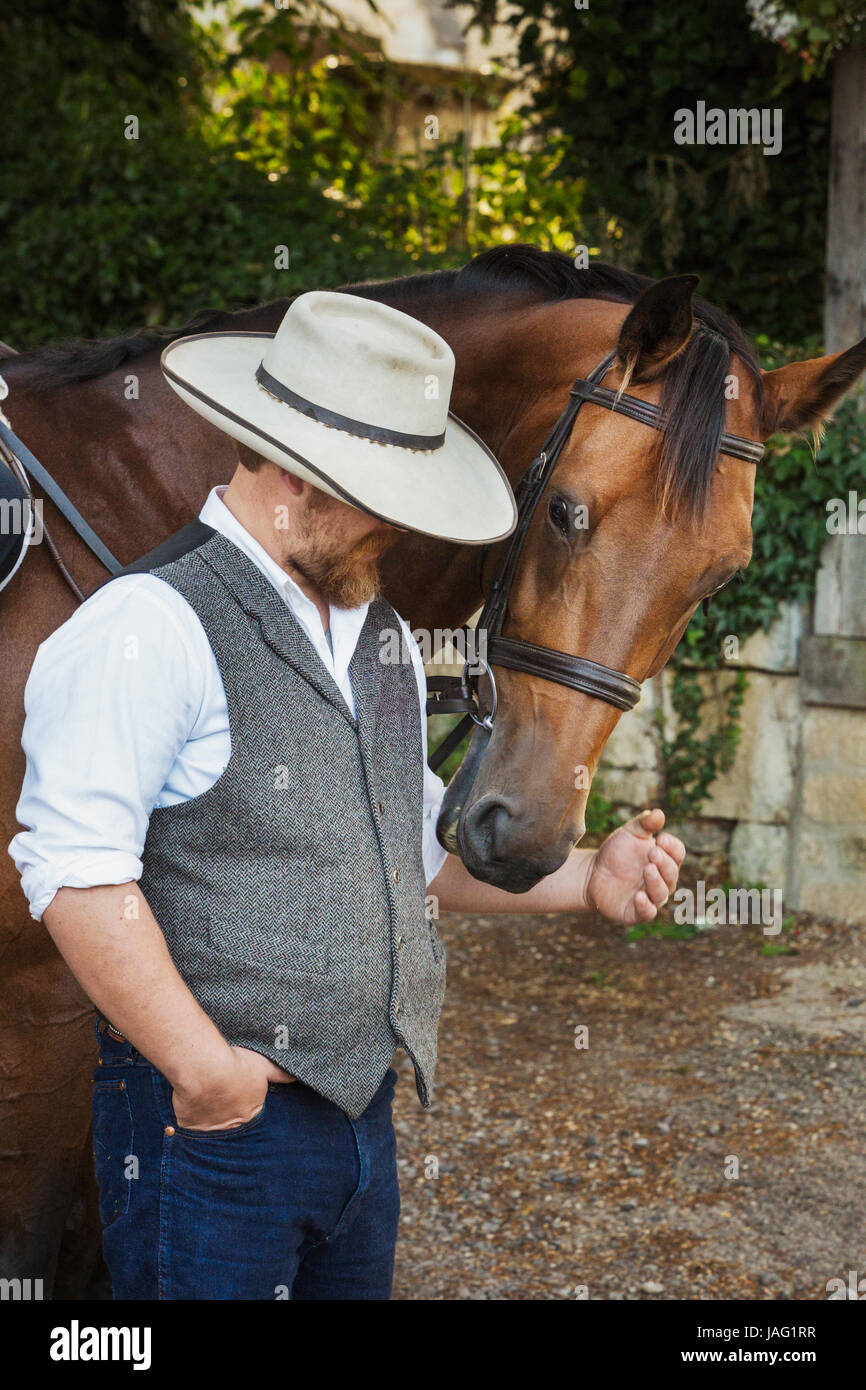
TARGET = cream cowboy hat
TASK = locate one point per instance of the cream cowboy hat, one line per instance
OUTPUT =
(353, 396)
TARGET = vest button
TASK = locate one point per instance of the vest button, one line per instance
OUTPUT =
(381, 806)
(397, 1011)
(399, 942)
(169, 1129)
(396, 875)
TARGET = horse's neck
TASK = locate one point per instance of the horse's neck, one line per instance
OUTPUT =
(432, 585)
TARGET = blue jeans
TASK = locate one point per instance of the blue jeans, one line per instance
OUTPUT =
(300, 1202)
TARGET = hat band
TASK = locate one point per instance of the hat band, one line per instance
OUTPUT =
(323, 416)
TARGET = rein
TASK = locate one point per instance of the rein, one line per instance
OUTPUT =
(445, 696)
(20, 461)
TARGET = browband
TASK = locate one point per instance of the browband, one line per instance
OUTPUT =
(734, 445)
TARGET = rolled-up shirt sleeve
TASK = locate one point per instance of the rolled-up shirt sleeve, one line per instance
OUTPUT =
(112, 698)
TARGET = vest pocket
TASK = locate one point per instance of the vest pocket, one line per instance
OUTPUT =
(112, 1148)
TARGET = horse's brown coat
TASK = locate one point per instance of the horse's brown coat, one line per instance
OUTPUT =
(139, 469)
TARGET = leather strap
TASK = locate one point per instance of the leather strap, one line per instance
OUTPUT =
(734, 445)
(576, 672)
(446, 695)
(450, 741)
(32, 466)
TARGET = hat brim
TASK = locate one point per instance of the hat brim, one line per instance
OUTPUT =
(457, 492)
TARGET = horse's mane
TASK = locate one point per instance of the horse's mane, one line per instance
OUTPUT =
(693, 389)
(55, 365)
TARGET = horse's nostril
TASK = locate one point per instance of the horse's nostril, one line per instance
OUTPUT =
(497, 846)
(485, 829)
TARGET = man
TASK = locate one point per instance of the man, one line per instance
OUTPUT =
(231, 826)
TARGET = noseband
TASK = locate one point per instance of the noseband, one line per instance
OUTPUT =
(511, 653)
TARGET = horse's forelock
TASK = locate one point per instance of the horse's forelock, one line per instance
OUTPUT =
(694, 396)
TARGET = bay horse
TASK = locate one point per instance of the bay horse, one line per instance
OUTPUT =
(669, 521)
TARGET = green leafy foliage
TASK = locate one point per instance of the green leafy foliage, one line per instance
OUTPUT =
(664, 928)
(611, 77)
(808, 32)
(260, 131)
(600, 817)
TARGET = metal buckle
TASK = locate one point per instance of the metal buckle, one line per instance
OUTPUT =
(483, 721)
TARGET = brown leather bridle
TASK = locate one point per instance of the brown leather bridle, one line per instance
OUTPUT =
(445, 696)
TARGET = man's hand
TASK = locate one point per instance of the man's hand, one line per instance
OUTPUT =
(635, 870)
(231, 1096)
(122, 962)
(627, 879)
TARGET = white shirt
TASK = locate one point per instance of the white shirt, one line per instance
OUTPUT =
(126, 711)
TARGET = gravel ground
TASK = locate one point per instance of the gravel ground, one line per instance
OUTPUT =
(707, 1144)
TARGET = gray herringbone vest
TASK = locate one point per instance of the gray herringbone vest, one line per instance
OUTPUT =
(291, 893)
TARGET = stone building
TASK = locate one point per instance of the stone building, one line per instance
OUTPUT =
(455, 75)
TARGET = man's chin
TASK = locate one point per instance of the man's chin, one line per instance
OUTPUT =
(348, 579)
(354, 591)
(345, 586)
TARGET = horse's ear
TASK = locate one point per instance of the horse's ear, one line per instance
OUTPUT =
(801, 395)
(658, 327)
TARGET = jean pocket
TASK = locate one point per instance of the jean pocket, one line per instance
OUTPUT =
(113, 1142)
(233, 1132)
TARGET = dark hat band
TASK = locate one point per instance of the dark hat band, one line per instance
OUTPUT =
(323, 416)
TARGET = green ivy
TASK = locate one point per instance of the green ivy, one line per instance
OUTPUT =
(267, 134)
(610, 78)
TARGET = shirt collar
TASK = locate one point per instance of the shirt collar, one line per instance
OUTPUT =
(345, 623)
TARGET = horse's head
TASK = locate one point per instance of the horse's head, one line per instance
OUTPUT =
(634, 529)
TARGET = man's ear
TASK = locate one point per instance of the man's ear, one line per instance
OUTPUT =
(802, 395)
(657, 328)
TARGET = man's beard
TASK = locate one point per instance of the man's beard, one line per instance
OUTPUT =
(346, 577)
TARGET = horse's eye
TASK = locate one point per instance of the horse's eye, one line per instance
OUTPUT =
(558, 512)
